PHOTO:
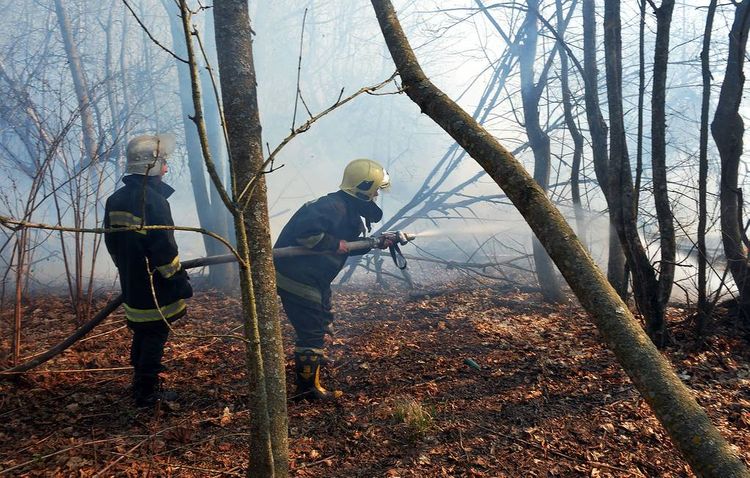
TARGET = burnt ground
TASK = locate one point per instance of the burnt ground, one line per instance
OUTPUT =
(476, 382)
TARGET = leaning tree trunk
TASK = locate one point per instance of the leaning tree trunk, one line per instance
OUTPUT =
(659, 157)
(728, 129)
(539, 143)
(598, 131)
(622, 204)
(688, 425)
(239, 96)
(703, 307)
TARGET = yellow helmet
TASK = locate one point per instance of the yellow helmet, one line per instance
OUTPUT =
(363, 178)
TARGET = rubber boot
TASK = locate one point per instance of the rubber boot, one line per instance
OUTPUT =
(148, 391)
(307, 364)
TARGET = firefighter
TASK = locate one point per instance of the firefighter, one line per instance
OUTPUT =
(304, 282)
(147, 261)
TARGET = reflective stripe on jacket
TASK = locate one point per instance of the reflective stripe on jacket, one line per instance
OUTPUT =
(146, 259)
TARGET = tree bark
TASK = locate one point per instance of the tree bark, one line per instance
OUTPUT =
(239, 97)
(688, 425)
(703, 306)
(599, 131)
(261, 461)
(727, 129)
(539, 141)
(659, 157)
(622, 203)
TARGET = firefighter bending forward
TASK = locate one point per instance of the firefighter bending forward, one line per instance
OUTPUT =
(147, 261)
(304, 282)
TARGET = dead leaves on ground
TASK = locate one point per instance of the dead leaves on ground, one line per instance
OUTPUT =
(470, 384)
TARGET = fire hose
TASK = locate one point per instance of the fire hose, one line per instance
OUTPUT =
(395, 237)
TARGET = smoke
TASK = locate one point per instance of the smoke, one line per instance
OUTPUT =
(483, 229)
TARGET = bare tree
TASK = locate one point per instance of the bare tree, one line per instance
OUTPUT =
(703, 305)
(211, 213)
(687, 424)
(659, 161)
(727, 129)
(572, 125)
(621, 201)
(531, 92)
(598, 130)
(79, 81)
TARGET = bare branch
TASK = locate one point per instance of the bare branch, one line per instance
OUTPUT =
(156, 42)
(17, 224)
(247, 192)
(297, 94)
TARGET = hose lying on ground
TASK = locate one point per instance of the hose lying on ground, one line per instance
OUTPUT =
(117, 301)
(111, 306)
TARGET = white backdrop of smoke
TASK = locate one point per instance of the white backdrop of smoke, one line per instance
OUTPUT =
(512, 237)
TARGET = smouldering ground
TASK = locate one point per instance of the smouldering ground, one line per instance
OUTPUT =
(547, 400)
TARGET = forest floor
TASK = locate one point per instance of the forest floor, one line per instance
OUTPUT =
(467, 382)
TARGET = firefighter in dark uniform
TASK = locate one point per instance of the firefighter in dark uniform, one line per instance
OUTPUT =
(304, 282)
(147, 261)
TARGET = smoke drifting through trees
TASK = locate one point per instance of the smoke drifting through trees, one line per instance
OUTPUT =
(114, 68)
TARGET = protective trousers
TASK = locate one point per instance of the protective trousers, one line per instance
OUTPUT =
(147, 348)
(309, 319)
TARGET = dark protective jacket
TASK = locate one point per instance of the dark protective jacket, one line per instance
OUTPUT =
(143, 202)
(320, 225)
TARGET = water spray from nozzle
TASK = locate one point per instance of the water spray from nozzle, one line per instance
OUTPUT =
(470, 229)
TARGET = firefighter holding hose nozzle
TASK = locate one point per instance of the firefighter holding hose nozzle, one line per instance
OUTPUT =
(304, 282)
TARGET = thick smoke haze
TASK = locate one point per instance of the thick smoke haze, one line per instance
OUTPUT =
(135, 88)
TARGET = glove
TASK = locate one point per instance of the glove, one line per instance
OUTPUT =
(385, 241)
(184, 289)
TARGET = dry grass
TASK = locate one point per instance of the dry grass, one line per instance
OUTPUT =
(414, 415)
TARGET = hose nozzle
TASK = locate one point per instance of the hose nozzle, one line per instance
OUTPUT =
(401, 237)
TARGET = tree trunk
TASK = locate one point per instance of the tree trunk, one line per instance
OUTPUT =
(79, 83)
(659, 156)
(688, 425)
(703, 306)
(539, 142)
(575, 133)
(598, 130)
(239, 96)
(221, 276)
(727, 129)
(203, 203)
(641, 102)
(260, 447)
(622, 204)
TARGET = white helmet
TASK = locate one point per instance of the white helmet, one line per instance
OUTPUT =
(363, 178)
(147, 154)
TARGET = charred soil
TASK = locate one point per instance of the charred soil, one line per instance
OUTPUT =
(475, 383)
